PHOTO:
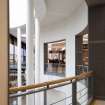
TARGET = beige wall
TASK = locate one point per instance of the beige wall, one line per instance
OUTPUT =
(3, 53)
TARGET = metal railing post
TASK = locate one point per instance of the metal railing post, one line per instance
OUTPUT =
(45, 97)
(74, 93)
(45, 86)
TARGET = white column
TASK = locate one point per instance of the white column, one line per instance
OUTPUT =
(70, 63)
(30, 49)
(37, 51)
(70, 56)
(19, 75)
(37, 59)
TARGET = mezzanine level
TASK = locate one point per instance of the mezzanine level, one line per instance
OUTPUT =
(76, 97)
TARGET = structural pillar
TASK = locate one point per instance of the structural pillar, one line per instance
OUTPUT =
(30, 49)
(37, 58)
(4, 35)
(19, 75)
(37, 51)
(70, 64)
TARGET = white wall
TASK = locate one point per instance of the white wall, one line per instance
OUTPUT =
(66, 29)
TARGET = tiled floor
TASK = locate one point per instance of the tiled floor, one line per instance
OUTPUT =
(98, 102)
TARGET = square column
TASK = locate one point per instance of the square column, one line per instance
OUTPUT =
(4, 35)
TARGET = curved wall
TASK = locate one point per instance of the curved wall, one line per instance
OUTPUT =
(66, 29)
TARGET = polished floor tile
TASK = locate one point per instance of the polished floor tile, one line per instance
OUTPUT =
(98, 102)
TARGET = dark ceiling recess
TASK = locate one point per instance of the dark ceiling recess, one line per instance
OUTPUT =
(95, 2)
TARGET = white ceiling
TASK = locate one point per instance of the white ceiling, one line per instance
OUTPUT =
(57, 10)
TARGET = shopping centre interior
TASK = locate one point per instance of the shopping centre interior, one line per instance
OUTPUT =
(52, 52)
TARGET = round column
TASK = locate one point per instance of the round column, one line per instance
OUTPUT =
(19, 69)
(37, 51)
(37, 59)
(30, 49)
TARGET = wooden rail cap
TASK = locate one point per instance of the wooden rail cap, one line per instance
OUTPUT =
(52, 82)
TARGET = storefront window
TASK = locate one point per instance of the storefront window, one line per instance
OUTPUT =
(54, 58)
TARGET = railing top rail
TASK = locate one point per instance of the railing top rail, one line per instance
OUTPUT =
(51, 83)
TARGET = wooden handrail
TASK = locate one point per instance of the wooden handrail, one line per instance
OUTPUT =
(48, 84)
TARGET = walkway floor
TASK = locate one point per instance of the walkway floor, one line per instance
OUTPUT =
(98, 102)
